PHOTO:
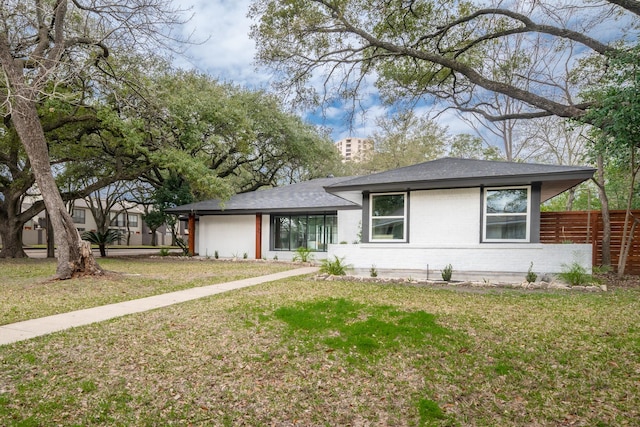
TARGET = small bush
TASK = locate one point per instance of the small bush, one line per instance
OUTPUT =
(373, 272)
(303, 254)
(216, 255)
(601, 269)
(164, 251)
(531, 276)
(576, 275)
(245, 255)
(447, 272)
(335, 267)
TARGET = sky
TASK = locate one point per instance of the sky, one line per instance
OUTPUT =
(227, 53)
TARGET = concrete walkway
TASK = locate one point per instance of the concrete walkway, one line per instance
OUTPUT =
(45, 325)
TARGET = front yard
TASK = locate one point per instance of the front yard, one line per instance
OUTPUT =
(306, 352)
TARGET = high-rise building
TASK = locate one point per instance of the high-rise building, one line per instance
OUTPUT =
(354, 149)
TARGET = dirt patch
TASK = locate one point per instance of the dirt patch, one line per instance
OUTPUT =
(614, 282)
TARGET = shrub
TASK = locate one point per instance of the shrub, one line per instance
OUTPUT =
(447, 272)
(576, 275)
(164, 251)
(216, 255)
(335, 267)
(102, 239)
(373, 272)
(303, 254)
(531, 276)
(245, 255)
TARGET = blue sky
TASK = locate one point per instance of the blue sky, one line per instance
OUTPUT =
(228, 54)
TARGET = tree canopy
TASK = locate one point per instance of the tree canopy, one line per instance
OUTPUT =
(438, 49)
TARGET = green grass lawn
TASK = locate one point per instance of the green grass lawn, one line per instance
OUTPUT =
(305, 352)
(28, 292)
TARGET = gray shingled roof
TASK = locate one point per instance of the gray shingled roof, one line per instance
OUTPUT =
(308, 196)
(458, 173)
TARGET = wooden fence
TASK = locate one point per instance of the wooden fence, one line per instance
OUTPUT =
(586, 227)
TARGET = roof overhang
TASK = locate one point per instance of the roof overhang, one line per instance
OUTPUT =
(282, 210)
(551, 184)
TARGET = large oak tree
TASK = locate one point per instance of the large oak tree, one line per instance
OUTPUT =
(46, 42)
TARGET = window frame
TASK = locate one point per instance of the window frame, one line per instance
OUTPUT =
(132, 223)
(291, 218)
(526, 215)
(404, 217)
(118, 219)
(79, 219)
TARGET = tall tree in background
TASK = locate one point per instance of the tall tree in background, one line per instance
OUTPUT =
(45, 42)
(406, 139)
(244, 138)
(467, 146)
(616, 126)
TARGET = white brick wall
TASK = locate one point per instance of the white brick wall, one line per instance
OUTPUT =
(478, 259)
(228, 234)
(349, 225)
(445, 216)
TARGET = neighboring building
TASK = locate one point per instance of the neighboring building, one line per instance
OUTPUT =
(482, 217)
(126, 217)
(355, 149)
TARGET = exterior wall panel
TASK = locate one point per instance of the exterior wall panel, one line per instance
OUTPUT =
(230, 235)
(468, 261)
(445, 216)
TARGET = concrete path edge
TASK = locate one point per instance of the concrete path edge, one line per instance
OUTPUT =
(32, 328)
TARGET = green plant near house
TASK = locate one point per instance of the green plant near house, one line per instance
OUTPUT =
(447, 271)
(245, 255)
(102, 239)
(216, 255)
(335, 267)
(303, 254)
(531, 276)
(373, 272)
(576, 275)
(164, 251)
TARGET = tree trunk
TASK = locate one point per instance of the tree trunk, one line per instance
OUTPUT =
(72, 259)
(570, 199)
(11, 228)
(51, 246)
(11, 234)
(154, 237)
(606, 219)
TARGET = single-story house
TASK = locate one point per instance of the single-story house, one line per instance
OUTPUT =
(481, 217)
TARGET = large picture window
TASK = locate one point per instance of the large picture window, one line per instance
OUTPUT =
(314, 232)
(388, 217)
(507, 213)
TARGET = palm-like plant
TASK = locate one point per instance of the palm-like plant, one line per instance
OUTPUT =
(102, 239)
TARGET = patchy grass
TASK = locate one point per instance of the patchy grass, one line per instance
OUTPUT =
(28, 293)
(301, 352)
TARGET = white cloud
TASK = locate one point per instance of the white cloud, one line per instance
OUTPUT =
(224, 49)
